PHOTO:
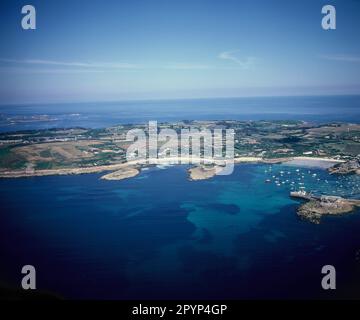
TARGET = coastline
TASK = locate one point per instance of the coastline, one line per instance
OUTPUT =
(157, 161)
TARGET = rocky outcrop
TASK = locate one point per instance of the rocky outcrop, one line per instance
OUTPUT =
(316, 207)
(202, 172)
(121, 174)
(351, 166)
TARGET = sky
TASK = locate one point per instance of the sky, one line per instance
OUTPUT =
(151, 49)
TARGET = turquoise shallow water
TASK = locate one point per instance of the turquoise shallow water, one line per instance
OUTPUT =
(159, 235)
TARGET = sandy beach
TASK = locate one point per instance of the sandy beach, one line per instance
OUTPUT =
(323, 163)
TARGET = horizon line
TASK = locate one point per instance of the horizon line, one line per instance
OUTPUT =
(179, 99)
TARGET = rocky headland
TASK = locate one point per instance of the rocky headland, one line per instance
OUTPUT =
(318, 206)
(349, 167)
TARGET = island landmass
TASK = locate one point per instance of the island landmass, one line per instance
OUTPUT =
(80, 151)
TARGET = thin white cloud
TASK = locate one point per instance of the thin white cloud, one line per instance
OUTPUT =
(187, 66)
(21, 70)
(341, 57)
(58, 67)
(101, 67)
(244, 63)
(104, 65)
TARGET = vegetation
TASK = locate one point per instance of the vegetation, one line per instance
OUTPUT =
(79, 147)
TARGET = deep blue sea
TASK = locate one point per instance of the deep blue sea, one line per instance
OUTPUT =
(159, 235)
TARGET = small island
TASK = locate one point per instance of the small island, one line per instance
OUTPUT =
(125, 173)
(202, 172)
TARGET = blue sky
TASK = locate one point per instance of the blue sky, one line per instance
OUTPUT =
(141, 49)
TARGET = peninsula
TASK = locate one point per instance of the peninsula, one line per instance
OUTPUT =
(348, 167)
(317, 206)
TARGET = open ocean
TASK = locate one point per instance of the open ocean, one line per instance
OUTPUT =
(104, 114)
(159, 235)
